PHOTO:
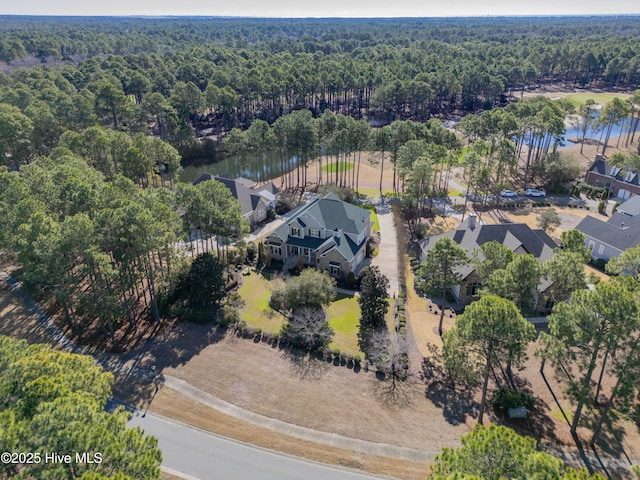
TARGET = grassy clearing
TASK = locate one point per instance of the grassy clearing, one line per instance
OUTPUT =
(374, 216)
(256, 292)
(342, 166)
(601, 98)
(343, 315)
(454, 193)
(374, 192)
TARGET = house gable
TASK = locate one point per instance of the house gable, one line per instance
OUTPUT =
(620, 232)
(333, 230)
(254, 203)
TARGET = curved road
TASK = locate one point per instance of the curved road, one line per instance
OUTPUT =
(201, 455)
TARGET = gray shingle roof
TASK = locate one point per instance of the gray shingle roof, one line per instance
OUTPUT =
(514, 236)
(620, 231)
(620, 174)
(612, 233)
(333, 214)
(248, 198)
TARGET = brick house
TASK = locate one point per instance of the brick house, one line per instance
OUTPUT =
(621, 182)
(327, 233)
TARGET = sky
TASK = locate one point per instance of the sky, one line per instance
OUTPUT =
(322, 8)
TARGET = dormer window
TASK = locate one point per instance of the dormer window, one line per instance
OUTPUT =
(296, 232)
(314, 233)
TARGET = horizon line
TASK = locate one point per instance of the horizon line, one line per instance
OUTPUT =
(257, 17)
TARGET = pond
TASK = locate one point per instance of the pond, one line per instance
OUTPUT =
(597, 134)
(268, 167)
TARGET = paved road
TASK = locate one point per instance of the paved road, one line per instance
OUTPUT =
(201, 455)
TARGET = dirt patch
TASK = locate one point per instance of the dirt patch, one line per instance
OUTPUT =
(17, 319)
(569, 217)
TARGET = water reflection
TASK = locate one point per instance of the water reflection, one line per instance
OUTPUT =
(270, 166)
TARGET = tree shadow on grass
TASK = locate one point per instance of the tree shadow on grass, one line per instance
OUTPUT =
(455, 400)
(306, 366)
(395, 392)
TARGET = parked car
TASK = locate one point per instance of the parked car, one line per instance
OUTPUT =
(508, 193)
(534, 192)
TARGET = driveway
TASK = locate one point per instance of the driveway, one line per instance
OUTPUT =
(387, 258)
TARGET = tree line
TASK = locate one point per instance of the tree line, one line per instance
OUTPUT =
(592, 341)
(89, 236)
(179, 78)
(54, 402)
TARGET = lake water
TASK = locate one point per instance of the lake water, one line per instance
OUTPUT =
(271, 166)
(258, 169)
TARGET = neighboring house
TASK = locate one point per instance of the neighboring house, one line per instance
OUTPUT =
(255, 201)
(326, 233)
(518, 237)
(621, 182)
(621, 231)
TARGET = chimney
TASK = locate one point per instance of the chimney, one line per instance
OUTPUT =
(599, 156)
(472, 220)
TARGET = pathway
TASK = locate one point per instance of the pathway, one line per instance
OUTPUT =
(387, 258)
(304, 433)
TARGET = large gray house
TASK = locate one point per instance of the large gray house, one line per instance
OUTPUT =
(470, 235)
(255, 201)
(326, 233)
(621, 231)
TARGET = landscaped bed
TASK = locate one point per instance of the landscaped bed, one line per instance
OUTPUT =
(343, 313)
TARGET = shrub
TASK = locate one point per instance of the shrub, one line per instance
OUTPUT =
(420, 230)
(506, 398)
(615, 207)
(357, 359)
(251, 252)
(351, 280)
(600, 263)
(336, 352)
(602, 206)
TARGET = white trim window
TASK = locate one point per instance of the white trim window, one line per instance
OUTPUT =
(296, 232)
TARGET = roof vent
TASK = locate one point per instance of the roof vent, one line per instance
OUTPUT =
(472, 220)
(622, 226)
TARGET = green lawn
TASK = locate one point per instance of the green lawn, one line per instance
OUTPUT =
(255, 292)
(454, 193)
(374, 216)
(601, 98)
(343, 315)
(374, 192)
(331, 167)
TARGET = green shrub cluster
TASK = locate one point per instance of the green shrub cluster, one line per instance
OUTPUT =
(506, 398)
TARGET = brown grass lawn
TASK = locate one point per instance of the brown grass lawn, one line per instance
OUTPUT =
(316, 394)
(171, 404)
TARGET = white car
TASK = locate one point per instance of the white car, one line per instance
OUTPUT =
(508, 193)
(533, 192)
